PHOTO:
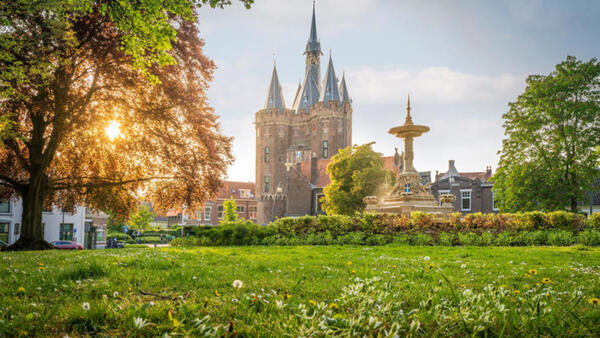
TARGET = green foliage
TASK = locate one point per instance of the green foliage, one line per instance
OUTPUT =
(229, 211)
(355, 172)
(550, 157)
(594, 221)
(119, 236)
(142, 218)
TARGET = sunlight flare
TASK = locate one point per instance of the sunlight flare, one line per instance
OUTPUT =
(113, 130)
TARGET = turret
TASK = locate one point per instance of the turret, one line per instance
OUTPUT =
(345, 97)
(275, 94)
(331, 91)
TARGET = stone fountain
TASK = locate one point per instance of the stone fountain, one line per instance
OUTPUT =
(409, 194)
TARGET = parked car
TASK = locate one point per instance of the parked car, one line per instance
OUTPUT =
(67, 245)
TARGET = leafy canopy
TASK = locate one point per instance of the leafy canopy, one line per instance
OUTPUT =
(142, 218)
(229, 211)
(355, 172)
(73, 70)
(550, 156)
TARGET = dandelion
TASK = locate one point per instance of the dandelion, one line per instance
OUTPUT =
(426, 258)
(174, 321)
(217, 293)
(349, 263)
(140, 322)
(312, 302)
(353, 271)
(527, 275)
(393, 266)
(21, 289)
(237, 284)
(288, 296)
(333, 306)
(594, 301)
(115, 294)
(546, 281)
(85, 306)
(516, 292)
(533, 272)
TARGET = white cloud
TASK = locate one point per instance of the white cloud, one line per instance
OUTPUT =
(437, 85)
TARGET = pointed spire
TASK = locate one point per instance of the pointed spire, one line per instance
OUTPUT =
(275, 95)
(313, 44)
(408, 117)
(331, 91)
(309, 94)
(345, 97)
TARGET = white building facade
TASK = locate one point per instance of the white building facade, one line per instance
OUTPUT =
(75, 225)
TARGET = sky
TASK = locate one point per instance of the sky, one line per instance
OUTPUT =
(462, 62)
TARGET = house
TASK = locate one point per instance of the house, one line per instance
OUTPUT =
(472, 190)
(80, 225)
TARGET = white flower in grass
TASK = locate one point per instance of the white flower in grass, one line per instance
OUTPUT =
(464, 266)
(140, 322)
(426, 258)
(85, 306)
(235, 300)
(237, 284)
(115, 294)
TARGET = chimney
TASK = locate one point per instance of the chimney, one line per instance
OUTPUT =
(488, 170)
(451, 165)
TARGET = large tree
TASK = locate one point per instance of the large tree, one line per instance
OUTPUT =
(106, 100)
(355, 172)
(549, 158)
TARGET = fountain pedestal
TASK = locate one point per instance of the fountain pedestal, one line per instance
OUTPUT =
(408, 194)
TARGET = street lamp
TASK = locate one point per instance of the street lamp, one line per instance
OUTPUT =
(183, 207)
(279, 190)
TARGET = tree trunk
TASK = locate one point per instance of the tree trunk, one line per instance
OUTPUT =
(574, 204)
(32, 236)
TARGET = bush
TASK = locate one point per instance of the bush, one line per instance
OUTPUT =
(593, 221)
(446, 239)
(589, 237)
(149, 239)
(561, 238)
(420, 239)
(119, 236)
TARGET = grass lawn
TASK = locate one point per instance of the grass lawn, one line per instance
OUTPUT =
(301, 291)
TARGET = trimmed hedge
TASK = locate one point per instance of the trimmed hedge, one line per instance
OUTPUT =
(534, 228)
(119, 236)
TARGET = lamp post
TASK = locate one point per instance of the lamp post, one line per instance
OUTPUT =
(279, 190)
(183, 207)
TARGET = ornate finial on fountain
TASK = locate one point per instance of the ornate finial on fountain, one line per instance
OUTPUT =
(408, 120)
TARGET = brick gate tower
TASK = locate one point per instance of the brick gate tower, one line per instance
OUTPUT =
(293, 143)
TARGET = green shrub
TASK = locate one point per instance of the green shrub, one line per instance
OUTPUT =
(539, 237)
(565, 220)
(136, 246)
(561, 238)
(446, 239)
(589, 237)
(420, 239)
(149, 239)
(351, 238)
(505, 239)
(485, 239)
(593, 221)
(468, 238)
(186, 241)
(377, 239)
(118, 235)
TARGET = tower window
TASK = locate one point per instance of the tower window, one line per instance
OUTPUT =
(407, 187)
(267, 184)
(267, 154)
(325, 149)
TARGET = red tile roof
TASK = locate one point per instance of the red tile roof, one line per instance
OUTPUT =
(232, 189)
